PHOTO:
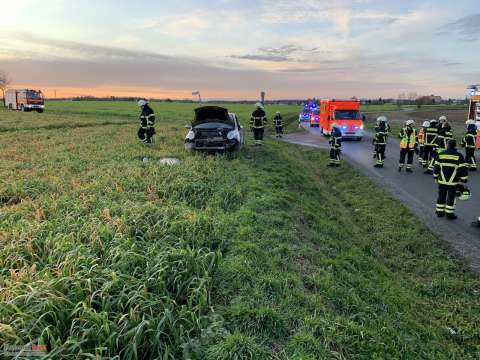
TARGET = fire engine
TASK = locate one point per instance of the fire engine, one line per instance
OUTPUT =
(25, 100)
(346, 114)
(474, 108)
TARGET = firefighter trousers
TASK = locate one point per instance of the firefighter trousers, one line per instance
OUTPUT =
(279, 131)
(406, 154)
(428, 154)
(380, 152)
(470, 158)
(145, 134)
(258, 136)
(420, 153)
(335, 156)
(446, 199)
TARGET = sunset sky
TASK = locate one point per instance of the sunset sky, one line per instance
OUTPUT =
(233, 49)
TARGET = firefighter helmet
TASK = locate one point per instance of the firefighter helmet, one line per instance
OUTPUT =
(259, 105)
(335, 125)
(381, 119)
(142, 102)
(442, 119)
(426, 124)
(410, 123)
(470, 122)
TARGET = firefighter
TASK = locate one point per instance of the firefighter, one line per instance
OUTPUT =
(408, 145)
(421, 140)
(430, 146)
(147, 123)
(258, 121)
(445, 134)
(469, 143)
(380, 141)
(336, 143)
(278, 123)
(381, 119)
(449, 172)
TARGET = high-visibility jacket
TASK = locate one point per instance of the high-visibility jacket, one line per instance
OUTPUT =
(445, 134)
(147, 117)
(421, 136)
(336, 138)
(450, 168)
(470, 139)
(408, 138)
(381, 135)
(431, 134)
(278, 121)
(258, 119)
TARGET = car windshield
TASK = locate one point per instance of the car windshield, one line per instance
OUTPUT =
(213, 125)
(34, 95)
(347, 115)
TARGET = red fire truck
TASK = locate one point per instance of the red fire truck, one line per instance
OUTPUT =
(24, 100)
(345, 113)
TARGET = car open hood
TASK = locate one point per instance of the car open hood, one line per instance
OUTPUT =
(208, 114)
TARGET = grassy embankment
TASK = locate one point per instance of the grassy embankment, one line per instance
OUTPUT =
(267, 256)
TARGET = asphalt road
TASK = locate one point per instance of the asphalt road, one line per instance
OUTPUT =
(417, 191)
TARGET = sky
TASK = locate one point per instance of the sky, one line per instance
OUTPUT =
(233, 49)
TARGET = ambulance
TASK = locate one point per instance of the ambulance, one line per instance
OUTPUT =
(346, 114)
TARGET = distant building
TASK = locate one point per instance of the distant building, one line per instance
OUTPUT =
(434, 99)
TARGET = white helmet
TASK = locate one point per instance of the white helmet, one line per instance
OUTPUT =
(442, 118)
(142, 103)
(382, 119)
(470, 122)
(259, 105)
(426, 124)
(410, 123)
(277, 113)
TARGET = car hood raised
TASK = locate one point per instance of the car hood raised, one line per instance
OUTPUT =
(217, 114)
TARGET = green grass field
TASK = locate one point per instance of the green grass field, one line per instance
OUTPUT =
(269, 255)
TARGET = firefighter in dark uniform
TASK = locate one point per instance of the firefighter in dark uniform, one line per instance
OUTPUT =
(445, 134)
(408, 145)
(336, 145)
(147, 123)
(469, 143)
(430, 146)
(258, 121)
(450, 170)
(278, 123)
(380, 141)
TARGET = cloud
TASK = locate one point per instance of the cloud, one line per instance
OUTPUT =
(466, 28)
(284, 53)
(183, 26)
(341, 14)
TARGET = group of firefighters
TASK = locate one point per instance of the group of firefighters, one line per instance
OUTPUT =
(433, 143)
(437, 150)
(258, 122)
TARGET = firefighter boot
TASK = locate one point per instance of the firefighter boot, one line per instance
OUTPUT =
(452, 217)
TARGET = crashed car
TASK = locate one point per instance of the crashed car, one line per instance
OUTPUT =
(214, 129)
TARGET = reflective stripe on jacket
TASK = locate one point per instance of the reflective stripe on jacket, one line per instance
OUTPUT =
(408, 138)
(431, 134)
(258, 119)
(450, 168)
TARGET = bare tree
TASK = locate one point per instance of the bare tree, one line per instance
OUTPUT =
(412, 96)
(4, 82)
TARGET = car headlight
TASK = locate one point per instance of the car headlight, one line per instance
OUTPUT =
(191, 135)
(232, 135)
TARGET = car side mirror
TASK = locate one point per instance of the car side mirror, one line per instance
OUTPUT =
(188, 127)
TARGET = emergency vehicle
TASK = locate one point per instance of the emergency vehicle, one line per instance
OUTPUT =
(346, 114)
(24, 100)
(474, 108)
